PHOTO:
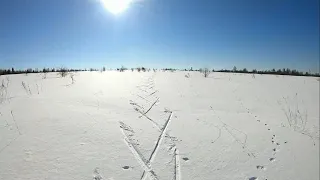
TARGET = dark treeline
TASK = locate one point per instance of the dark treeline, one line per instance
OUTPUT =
(284, 71)
(44, 70)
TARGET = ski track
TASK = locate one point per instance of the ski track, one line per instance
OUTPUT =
(177, 171)
(152, 106)
(136, 153)
(146, 163)
(160, 138)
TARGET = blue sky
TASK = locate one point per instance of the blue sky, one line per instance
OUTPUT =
(218, 34)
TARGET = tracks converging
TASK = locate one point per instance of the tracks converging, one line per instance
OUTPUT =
(148, 94)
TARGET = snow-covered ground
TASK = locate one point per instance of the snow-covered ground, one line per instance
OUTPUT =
(159, 125)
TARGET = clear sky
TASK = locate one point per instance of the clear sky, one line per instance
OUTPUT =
(160, 33)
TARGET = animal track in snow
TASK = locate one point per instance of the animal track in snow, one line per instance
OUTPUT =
(273, 141)
(185, 159)
(260, 167)
(96, 174)
(126, 167)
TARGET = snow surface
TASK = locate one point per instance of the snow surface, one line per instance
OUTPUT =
(159, 125)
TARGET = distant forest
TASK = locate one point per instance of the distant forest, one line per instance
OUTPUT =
(284, 71)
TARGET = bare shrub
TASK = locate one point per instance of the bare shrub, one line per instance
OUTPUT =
(4, 89)
(63, 72)
(38, 88)
(205, 72)
(26, 88)
(187, 75)
(298, 119)
(7, 82)
(122, 69)
(72, 78)
(44, 75)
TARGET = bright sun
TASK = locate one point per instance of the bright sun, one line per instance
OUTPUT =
(116, 6)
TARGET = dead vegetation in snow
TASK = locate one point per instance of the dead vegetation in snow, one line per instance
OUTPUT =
(297, 118)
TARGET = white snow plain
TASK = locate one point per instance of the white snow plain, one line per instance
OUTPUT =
(159, 125)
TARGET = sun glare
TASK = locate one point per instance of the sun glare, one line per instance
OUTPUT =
(116, 6)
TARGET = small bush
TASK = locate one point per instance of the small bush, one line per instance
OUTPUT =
(26, 88)
(297, 118)
(205, 72)
(63, 72)
(122, 69)
(72, 78)
(44, 75)
(3, 90)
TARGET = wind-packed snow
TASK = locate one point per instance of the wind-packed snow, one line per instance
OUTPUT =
(159, 125)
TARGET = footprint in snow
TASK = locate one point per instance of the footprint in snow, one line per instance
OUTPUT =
(260, 167)
(253, 178)
(185, 159)
(126, 167)
(272, 159)
(96, 174)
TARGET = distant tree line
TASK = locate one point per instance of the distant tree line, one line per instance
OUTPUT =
(62, 69)
(283, 71)
(44, 70)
